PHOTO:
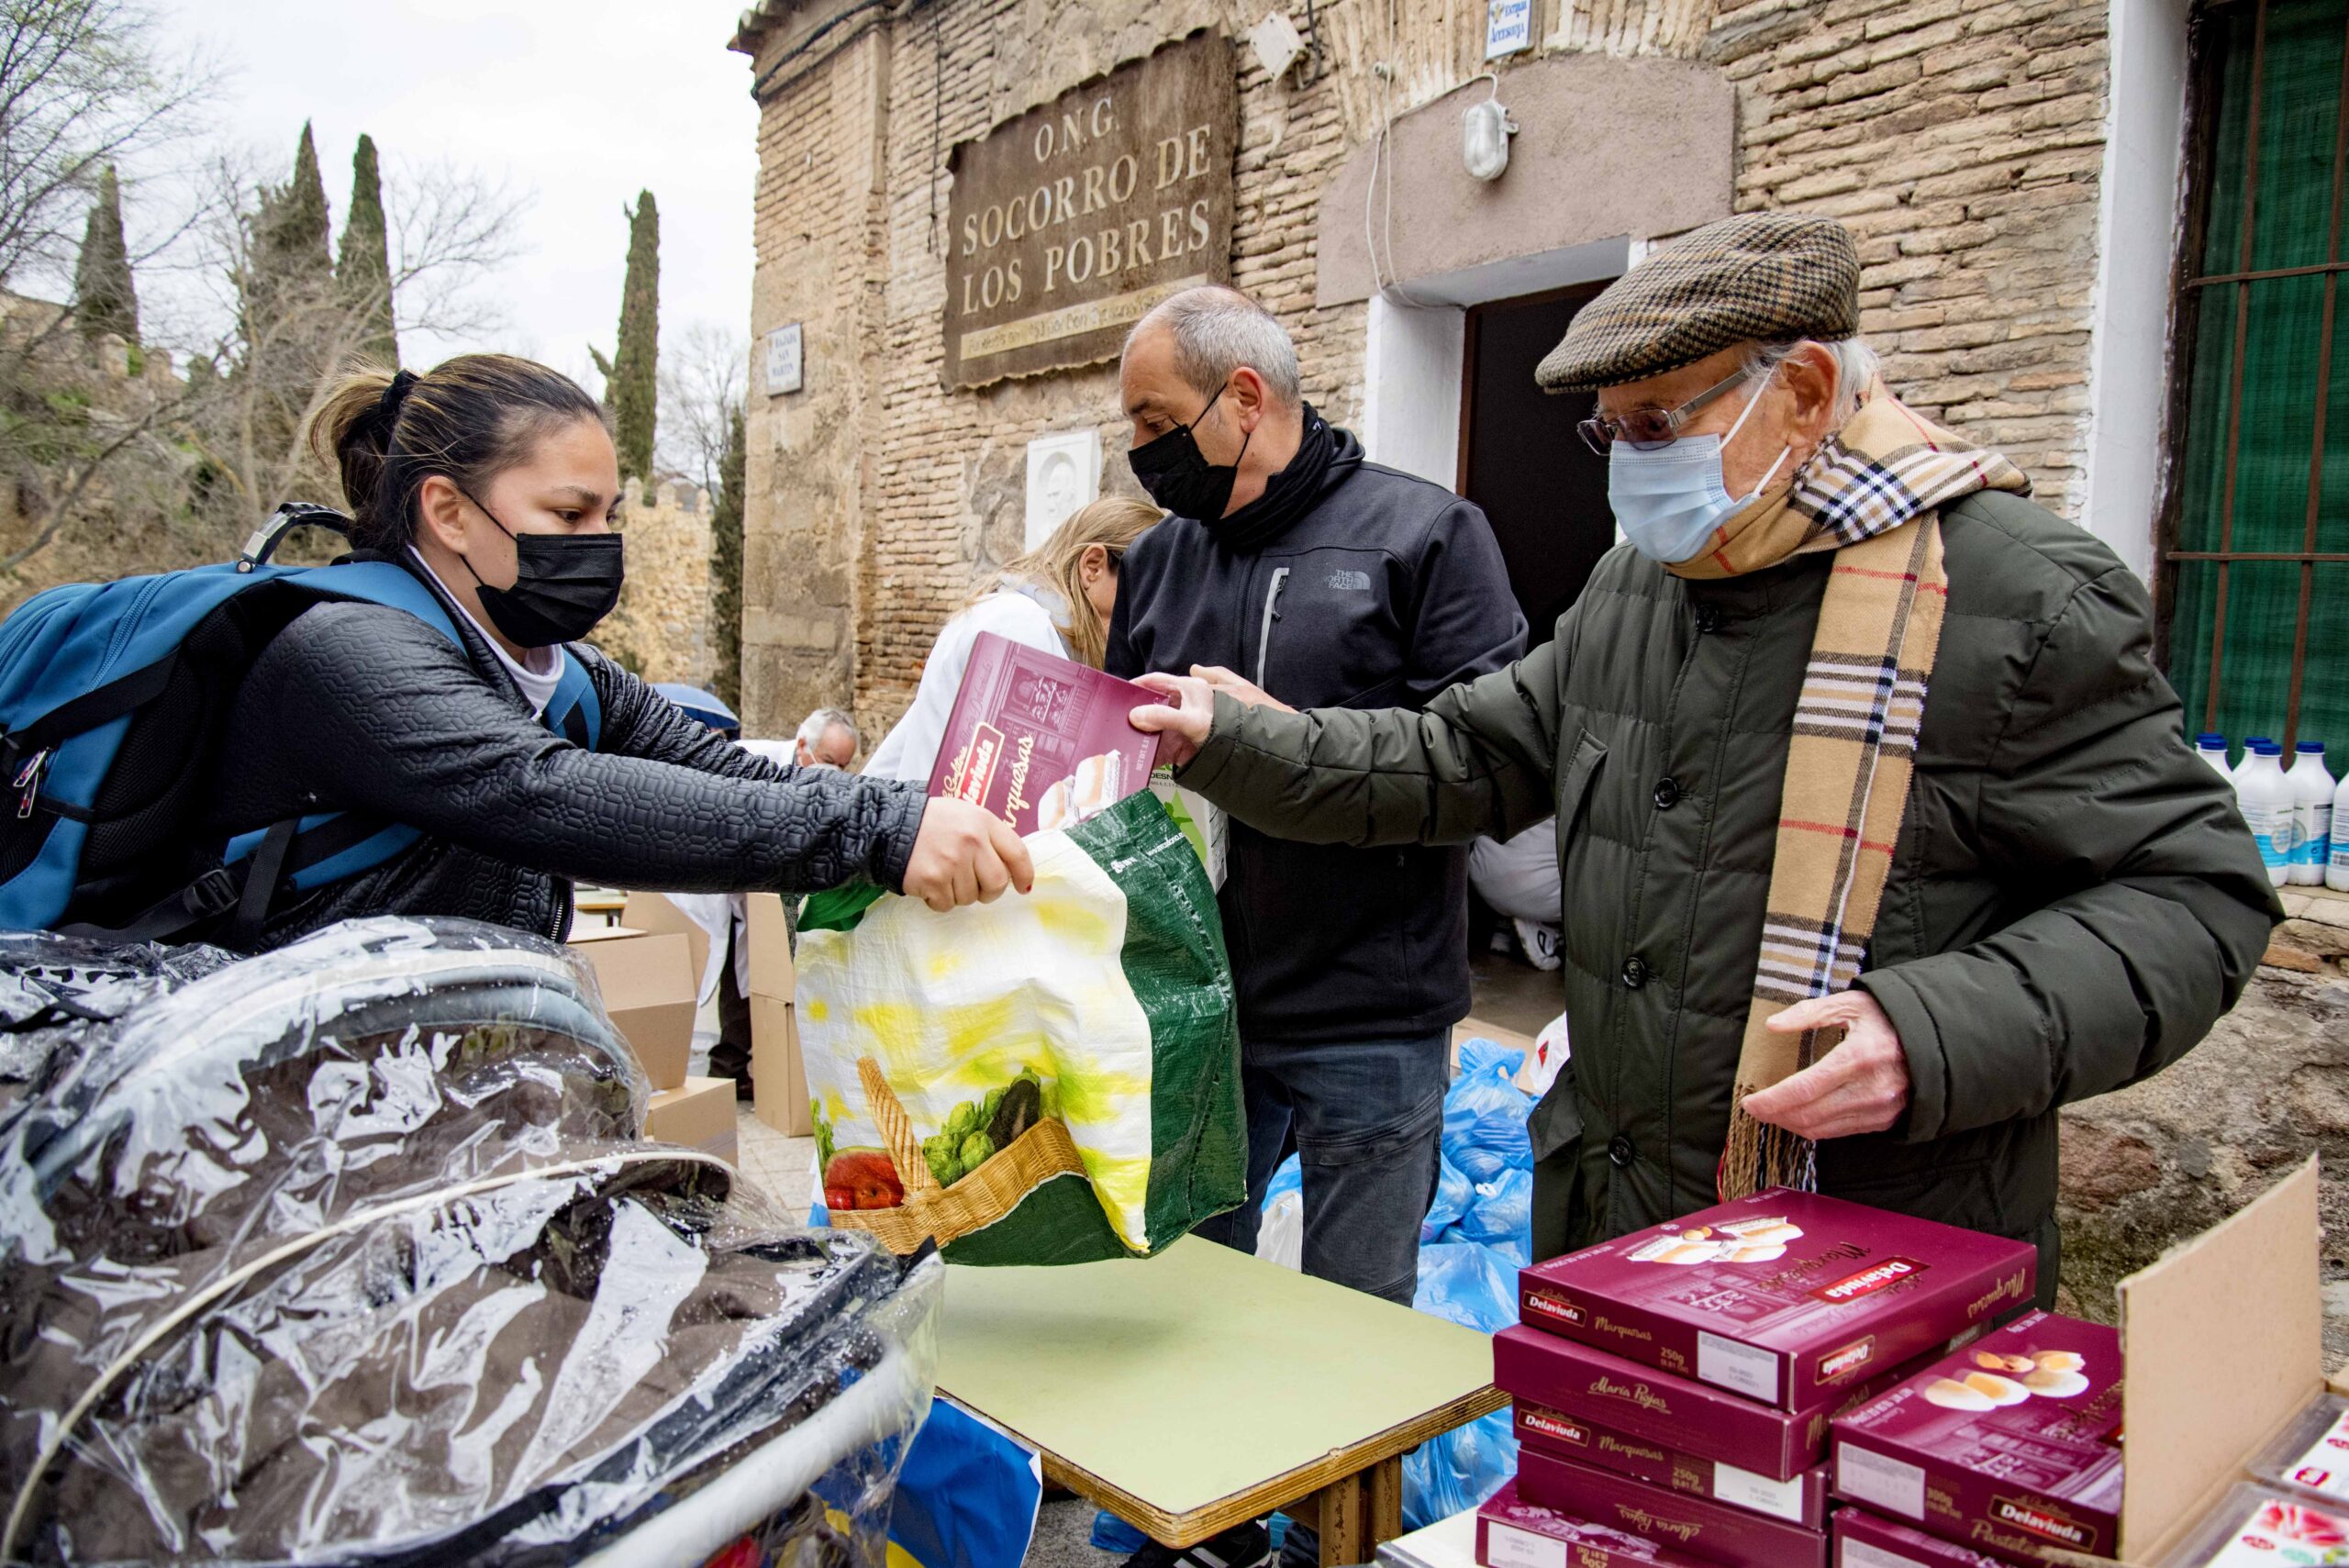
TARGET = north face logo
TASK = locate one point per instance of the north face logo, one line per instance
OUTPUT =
(1350, 582)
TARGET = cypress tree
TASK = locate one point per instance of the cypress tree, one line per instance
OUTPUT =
(294, 221)
(364, 269)
(726, 566)
(632, 394)
(103, 297)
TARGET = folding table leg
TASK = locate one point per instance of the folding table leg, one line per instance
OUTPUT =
(1345, 1540)
(1385, 1502)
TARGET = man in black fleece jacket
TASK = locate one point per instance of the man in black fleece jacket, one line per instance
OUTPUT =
(1327, 580)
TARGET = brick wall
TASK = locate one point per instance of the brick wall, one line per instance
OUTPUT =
(1961, 141)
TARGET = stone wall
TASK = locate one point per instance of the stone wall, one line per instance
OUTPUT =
(2182, 1151)
(660, 629)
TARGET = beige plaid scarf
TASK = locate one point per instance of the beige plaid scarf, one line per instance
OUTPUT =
(1854, 736)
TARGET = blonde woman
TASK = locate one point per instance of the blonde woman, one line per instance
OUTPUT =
(1057, 598)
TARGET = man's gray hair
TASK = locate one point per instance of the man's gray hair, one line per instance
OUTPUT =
(1856, 366)
(813, 728)
(1216, 330)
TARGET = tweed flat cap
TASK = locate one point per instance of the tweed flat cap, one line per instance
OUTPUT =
(1761, 277)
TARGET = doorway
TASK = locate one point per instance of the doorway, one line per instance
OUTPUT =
(1520, 460)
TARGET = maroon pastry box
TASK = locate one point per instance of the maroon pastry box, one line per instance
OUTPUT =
(1802, 1500)
(1041, 741)
(1572, 1379)
(1698, 1526)
(1783, 1296)
(2011, 1443)
(1863, 1540)
(1513, 1533)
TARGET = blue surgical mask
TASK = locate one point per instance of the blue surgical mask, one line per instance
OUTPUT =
(1669, 499)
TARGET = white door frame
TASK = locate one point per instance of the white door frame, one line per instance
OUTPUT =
(1415, 339)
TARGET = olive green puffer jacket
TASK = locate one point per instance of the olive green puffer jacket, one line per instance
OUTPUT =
(2073, 899)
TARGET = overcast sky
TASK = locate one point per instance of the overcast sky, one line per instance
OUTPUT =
(576, 103)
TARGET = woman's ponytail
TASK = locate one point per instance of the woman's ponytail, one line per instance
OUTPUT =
(384, 432)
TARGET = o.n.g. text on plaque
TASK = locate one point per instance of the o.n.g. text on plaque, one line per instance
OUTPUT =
(1069, 222)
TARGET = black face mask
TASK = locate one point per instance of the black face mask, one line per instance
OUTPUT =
(563, 584)
(1178, 475)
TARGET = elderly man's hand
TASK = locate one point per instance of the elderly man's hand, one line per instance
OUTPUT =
(1181, 722)
(965, 854)
(1249, 695)
(1861, 1086)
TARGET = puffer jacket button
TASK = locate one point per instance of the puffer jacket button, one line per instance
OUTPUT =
(1667, 794)
(1620, 1150)
(1635, 973)
(1709, 620)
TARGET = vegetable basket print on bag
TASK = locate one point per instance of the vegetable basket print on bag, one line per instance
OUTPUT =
(1051, 1078)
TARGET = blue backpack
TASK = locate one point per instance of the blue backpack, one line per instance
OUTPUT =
(113, 697)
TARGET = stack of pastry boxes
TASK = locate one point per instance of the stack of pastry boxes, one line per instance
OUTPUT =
(2009, 1445)
(1675, 1388)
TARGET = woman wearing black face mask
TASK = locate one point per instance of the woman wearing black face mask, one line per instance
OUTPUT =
(494, 482)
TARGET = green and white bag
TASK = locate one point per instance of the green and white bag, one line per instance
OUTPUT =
(1051, 1078)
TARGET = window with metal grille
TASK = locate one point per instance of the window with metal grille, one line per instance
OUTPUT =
(2255, 578)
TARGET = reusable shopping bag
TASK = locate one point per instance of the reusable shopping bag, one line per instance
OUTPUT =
(1051, 1078)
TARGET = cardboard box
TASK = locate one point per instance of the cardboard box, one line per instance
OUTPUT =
(2224, 1341)
(2012, 1443)
(1040, 741)
(1653, 1407)
(1695, 1525)
(698, 1114)
(766, 935)
(1513, 1533)
(654, 912)
(778, 1075)
(1801, 1500)
(1863, 1540)
(1784, 1297)
(647, 985)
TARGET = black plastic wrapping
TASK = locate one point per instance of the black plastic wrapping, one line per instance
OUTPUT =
(350, 1254)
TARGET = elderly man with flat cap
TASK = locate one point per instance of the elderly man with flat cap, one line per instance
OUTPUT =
(1878, 836)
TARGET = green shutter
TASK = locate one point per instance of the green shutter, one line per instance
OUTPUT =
(2251, 429)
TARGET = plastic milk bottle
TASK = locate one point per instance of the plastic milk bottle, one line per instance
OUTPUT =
(2213, 749)
(2336, 867)
(2265, 796)
(2312, 789)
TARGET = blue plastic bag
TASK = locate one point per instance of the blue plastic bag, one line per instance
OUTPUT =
(1484, 1113)
(1500, 1213)
(1473, 1285)
(1467, 1282)
(967, 1497)
(1454, 1193)
(1457, 1470)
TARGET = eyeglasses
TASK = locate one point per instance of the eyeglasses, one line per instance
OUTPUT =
(1648, 429)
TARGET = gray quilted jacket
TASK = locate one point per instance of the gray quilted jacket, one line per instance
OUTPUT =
(359, 707)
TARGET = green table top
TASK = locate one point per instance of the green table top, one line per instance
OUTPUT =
(1187, 1378)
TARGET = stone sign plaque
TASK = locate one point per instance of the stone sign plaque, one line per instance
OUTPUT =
(1070, 222)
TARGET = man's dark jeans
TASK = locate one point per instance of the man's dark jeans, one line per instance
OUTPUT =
(1366, 1117)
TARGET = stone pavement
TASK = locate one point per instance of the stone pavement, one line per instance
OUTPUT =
(785, 1168)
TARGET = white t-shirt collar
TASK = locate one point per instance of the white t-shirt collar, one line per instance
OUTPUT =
(537, 679)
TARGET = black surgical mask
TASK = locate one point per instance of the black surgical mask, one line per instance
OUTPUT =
(1178, 475)
(563, 584)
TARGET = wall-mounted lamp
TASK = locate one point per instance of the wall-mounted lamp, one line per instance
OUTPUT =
(1485, 130)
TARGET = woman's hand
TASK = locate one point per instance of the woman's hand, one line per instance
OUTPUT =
(1181, 722)
(965, 854)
